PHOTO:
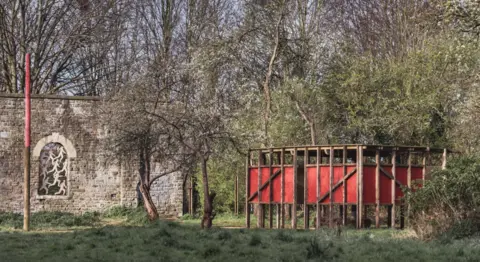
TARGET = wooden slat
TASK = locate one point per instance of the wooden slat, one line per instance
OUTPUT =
(330, 207)
(282, 188)
(306, 214)
(264, 185)
(337, 185)
(377, 189)
(360, 187)
(409, 180)
(247, 189)
(294, 206)
(318, 188)
(270, 187)
(260, 223)
(394, 178)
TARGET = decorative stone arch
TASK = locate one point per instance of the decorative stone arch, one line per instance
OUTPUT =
(53, 155)
(55, 138)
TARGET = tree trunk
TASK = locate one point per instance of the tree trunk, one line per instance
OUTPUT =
(148, 203)
(207, 198)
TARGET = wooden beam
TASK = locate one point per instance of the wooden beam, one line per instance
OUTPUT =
(270, 187)
(294, 206)
(264, 185)
(247, 189)
(385, 173)
(344, 193)
(260, 206)
(306, 212)
(394, 179)
(282, 188)
(337, 185)
(377, 188)
(360, 187)
(409, 180)
(330, 207)
(318, 188)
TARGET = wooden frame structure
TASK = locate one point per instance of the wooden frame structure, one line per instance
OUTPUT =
(333, 178)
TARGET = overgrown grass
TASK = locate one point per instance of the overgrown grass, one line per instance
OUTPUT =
(172, 241)
(134, 239)
(48, 220)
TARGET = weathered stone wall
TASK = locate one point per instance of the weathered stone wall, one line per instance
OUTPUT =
(95, 183)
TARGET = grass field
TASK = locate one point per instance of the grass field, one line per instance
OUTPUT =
(124, 236)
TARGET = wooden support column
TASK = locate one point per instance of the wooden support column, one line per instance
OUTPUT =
(190, 194)
(247, 189)
(278, 214)
(270, 186)
(425, 160)
(394, 174)
(236, 195)
(377, 188)
(294, 206)
(330, 209)
(389, 215)
(344, 193)
(360, 187)
(282, 189)
(260, 213)
(306, 211)
(409, 180)
(318, 188)
(402, 216)
(444, 159)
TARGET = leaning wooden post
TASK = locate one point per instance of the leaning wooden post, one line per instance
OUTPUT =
(247, 190)
(377, 188)
(294, 206)
(270, 187)
(318, 188)
(306, 212)
(330, 207)
(394, 174)
(282, 188)
(26, 154)
(444, 159)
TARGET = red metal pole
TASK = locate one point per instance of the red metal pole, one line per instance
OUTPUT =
(26, 160)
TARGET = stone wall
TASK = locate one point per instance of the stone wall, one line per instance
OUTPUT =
(95, 182)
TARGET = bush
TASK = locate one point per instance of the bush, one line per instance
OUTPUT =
(448, 202)
(46, 219)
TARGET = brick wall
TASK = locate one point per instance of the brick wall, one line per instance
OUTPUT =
(96, 182)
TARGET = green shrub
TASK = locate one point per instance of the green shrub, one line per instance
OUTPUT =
(449, 200)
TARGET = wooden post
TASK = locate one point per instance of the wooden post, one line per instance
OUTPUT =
(260, 214)
(344, 193)
(278, 214)
(270, 186)
(360, 187)
(377, 189)
(444, 159)
(409, 181)
(389, 215)
(294, 206)
(402, 216)
(236, 195)
(330, 209)
(394, 174)
(190, 195)
(26, 152)
(426, 157)
(247, 189)
(282, 189)
(318, 188)
(306, 211)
